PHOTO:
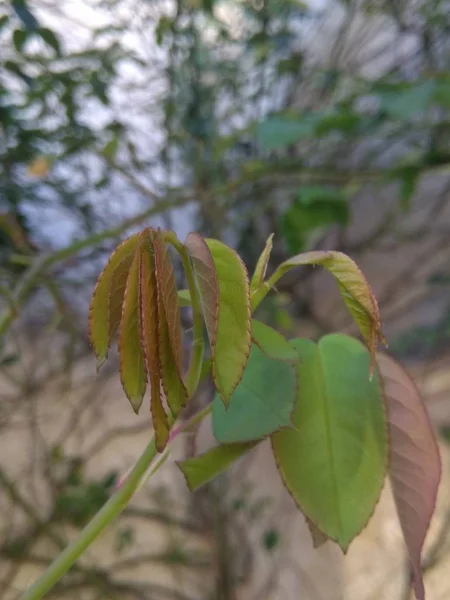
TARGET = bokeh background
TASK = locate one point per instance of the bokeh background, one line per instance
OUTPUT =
(324, 122)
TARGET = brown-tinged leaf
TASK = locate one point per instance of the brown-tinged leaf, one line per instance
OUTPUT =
(414, 466)
(99, 311)
(148, 311)
(208, 285)
(354, 288)
(318, 538)
(132, 363)
(167, 287)
(261, 265)
(116, 294)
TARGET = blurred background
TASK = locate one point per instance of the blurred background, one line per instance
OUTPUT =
(324, 122)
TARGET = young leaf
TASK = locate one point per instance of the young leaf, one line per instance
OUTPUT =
(333, 461)
(199, 470)
(272, 343)
(116, 294)
(261, 404)
(169, 327)
(132, 365)
(207, 282)
(231, 348)
(104, 295)
(414, 466)
(354, 288)
(168, 288)
(261, 265)
(148, 312)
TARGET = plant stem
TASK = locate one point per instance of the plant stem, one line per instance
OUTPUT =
(107, 513)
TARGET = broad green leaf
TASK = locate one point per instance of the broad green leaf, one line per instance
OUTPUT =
(231, 346)
(333, 461)
(104, 295)
(354, 288)
(262, 402)
(261, 265)
(132, 364)
(148, 311)
(272, 343)
(404, 102)
(276, 132)
(207, 282)
(167, 286)
(414, 465)
(199, 470)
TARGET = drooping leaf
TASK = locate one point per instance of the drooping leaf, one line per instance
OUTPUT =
(132, 364)
(333, 460)
(199, 470)
(148, 311)
(50, 39)
(261, 265)
(99, 311)
(262, 402)
(318, 538)
(167, 285)
(354, 288)
(207, 282)
(272, 343)
(414, 466)
(232, 342)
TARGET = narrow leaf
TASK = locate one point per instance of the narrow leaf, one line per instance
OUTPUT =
(262, 402)
(199, 470)
(333, 460)
(207, 282)
(167, 286)
(184, 298)
(414, 466)
(99, 311)
(233, 337)
(148, 311)
(116, 294)
(261, 265)
(272, 343)
(354, 288)
(132, 364)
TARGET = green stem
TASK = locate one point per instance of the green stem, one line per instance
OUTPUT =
(108, 513)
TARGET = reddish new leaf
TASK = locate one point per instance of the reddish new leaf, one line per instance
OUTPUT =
(415, 467)
(148, 310)
(117, 292)
(206, 276)
(132, 364)
(261, 265)
(102, 326)
(167, 287)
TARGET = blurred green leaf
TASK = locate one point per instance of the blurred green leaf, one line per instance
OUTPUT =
(20, 36)
(50, 39)
(276, 132)
(404, 102)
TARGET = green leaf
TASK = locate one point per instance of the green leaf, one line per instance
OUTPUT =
(20, 36)
(201, 469)
(405, 102)
(347, 122)
(314, 207)
(261, 404)
(333, 461)
(409, 176)
(110, 149)
(4, 20)
(103, 320)
(148, 324)
(354, 288)
(272, 343)
(50, 39)
(276, 132)
(231, 341)
(132, 364)
(261, 265)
